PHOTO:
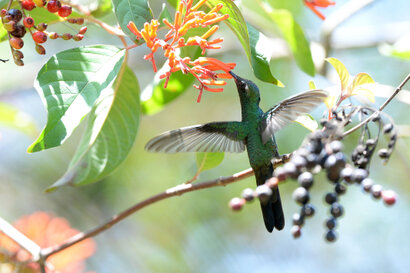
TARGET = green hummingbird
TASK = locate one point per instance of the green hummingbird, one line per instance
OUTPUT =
(255, 133)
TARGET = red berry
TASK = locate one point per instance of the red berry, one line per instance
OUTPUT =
(42, 26)
(16, 43)
(3, 13)
(66, 36)
(65, 11)
(19, 62)
(39, 37)
(19, 32)
(28, 22)
(17, 54)
(40, 50)
(53, 35)
(28, 5)
(389, 197)
(82, 30)
(80, 21)
(236, 203)
(53, 5)
(78, 37)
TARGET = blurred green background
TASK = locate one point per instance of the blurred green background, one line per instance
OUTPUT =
(197, 232)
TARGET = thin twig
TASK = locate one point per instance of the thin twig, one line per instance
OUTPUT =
(20, 239)
(175, 191)
(398, 89)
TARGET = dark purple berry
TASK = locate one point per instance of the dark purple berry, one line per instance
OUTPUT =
(331, 198)
(336, 210)
(331, 236)
(15, 14)
(340, 188)
(331, 223)
(336, 146)
(280, 173)
(367, 184)
(299, 161)
(298, 219)
(346, 174)
(359, 174)
(247, 194)
(370, 142)
(296, 231)
(376, 191)
(387, 128)
(384, 153)
(305, 179)
(264, 193)
(308, 210)
(19, 31)
(301, 195)
(290, 170)
(312, 160)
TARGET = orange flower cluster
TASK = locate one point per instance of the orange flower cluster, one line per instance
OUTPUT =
(47, 230)
(187, 17)
(312, 4)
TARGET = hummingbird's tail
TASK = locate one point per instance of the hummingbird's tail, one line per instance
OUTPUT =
(272, 209)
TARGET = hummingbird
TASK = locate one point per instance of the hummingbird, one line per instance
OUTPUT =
(255, 133)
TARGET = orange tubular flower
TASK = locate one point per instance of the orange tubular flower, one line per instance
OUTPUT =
(47, 230)
(187, 17)
(312, 4)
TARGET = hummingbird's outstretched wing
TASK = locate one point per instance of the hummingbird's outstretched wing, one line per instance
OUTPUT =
(288, 110)
(210, 137)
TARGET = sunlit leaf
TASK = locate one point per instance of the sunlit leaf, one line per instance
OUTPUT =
(330, 101)
(312, 85)
(294, 36)
(206, 161)
(110, 134)
(400, 49)
(69, 84)
(16, 119)
(261, 53)
(308, 122)
(137, 11)
(360, 79)
(367, 93)
(341, 71)
(3, 33)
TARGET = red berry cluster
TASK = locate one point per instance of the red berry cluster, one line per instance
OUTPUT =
(11, 21)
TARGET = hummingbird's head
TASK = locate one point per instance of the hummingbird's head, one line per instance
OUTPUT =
(246, 88)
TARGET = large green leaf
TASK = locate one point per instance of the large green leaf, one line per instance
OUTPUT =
(206, 161)
(137, 11)
(110, 134)
(260, 56)
(3, 33)
(16, 119)
(257, 56)
(294, 36)
(69, 84)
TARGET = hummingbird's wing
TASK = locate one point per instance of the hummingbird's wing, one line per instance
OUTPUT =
(288, 110)
(210, 137)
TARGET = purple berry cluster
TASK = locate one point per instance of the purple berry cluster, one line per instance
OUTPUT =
(323, 150)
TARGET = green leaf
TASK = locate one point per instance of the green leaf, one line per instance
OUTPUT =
(261, 54)
(110, 134)
(69, 84)
(312, 85)
(16, 119)
(206, 161)
(294, 36)
(3, 3)
(341, 71)
(104, 7)
(164, 14)
(154, 97)
(308, 122)
(137, 11)
(400, 49)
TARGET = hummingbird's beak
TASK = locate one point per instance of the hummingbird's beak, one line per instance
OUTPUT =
(235, 77)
